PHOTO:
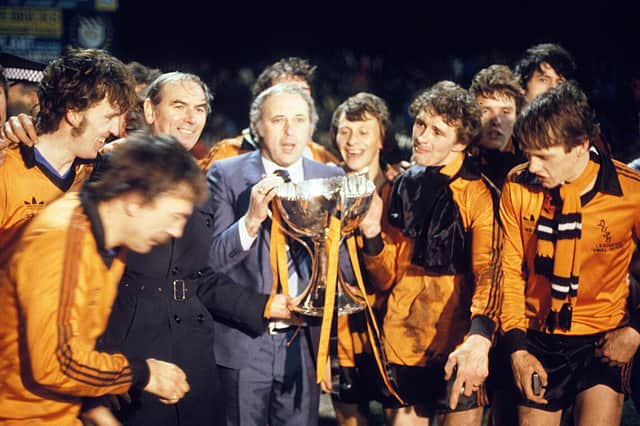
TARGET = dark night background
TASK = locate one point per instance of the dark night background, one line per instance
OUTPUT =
(393, 49)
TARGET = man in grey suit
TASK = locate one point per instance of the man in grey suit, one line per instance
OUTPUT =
(269, 378)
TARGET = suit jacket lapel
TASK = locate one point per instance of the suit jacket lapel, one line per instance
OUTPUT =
(254, 172)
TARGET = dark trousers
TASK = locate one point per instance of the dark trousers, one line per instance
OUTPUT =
(277, 387)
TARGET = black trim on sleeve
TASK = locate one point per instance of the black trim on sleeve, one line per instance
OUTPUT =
(140, 370)
(515, 340)
(483, 325)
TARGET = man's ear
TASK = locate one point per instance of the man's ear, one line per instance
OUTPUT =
(459, 147)
(149, 113)
(583, 148)
(132, 203)
(256, 128)
(73, 117)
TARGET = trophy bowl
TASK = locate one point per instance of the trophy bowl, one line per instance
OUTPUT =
(357, 191)
(307, 208)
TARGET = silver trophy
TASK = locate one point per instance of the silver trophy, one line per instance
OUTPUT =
(307, 208)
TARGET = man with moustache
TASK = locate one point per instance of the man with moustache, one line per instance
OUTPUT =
(269, 378)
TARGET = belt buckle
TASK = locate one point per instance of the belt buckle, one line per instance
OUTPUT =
(179, 290)
(272, 329)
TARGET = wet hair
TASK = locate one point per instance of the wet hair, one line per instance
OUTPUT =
(553, 54)
(255, 113)
(356, 108)
(454, 104)
(154, 91)
(561, 116)
(149, 165)
(78, 80)
(498, 81)
(295, 67)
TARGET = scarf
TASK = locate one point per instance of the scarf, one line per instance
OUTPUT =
(558, 246)
(422, 206)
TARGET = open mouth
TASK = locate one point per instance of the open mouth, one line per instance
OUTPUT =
(288, 148)
(354, 155)
(186, 132)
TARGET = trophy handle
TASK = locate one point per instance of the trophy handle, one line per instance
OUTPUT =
(298, 239)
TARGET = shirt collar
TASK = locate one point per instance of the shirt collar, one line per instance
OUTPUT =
(607, 181)
(453, 166)
(90, 207)
(296, 171)
(39, 158)
(31, 159)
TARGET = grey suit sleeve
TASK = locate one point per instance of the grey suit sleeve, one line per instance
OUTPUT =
(226, 249)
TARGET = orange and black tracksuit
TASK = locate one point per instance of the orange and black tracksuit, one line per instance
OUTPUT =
(26, 187)
(610, 228)
(429, 314)
(55, 298)
(245, 143)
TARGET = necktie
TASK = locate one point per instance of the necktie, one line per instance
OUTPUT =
(284, 174)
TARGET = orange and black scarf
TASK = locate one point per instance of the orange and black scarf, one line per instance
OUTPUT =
(558, 238)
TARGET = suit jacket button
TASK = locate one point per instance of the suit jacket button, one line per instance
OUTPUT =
(177, 318)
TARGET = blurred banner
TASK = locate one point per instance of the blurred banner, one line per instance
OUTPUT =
(38, 30)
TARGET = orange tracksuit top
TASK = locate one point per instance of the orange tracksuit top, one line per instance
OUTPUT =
(610, 227)
(429, 315)
(244, 143)
(55, 299)
(25, 189)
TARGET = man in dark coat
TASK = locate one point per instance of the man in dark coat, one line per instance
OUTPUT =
(167, 297)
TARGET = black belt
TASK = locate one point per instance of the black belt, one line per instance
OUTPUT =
(178, 290)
